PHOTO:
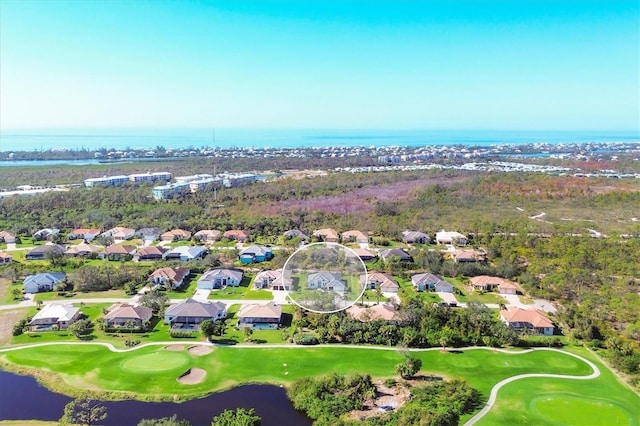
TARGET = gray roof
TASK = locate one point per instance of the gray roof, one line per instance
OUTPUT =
(45, 278)
(194, 308)
(213, 273)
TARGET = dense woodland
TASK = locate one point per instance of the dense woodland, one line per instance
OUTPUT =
(596, 281)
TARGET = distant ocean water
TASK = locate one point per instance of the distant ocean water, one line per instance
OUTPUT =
(123, 139)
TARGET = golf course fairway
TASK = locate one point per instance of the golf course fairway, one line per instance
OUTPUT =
(150, 372)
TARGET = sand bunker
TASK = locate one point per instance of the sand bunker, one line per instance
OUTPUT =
(200, 350)
(174, 348)
(192, 376)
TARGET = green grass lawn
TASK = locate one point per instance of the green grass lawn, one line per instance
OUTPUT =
(187, 290)
(151, 372)
(601, 401)
(245, 290)
(466, 295)
(53, 295)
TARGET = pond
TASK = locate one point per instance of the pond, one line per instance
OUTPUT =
(23, 398)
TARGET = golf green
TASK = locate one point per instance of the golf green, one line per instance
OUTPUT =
(155, 362)
(569, 409)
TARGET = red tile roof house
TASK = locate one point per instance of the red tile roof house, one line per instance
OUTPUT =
(384, 281)
(86, 234)
(327, 235)
(529, 320)
(119, 252)
(120, 315)
(5, 258)
(236, 234)
(207, 235)
(150, 253)
(487, 283)
(169, 277)
(384, 311)
(119, 233)
(175, 235)
(7, 237)
(354, 236)
(463, 256)
(259, 316)
(364, 254)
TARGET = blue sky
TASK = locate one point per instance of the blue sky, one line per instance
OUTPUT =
(516, 65)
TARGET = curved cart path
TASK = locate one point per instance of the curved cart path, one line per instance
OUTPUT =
(494, 391)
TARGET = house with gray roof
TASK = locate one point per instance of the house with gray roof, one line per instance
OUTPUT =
(42, 282)
(431, 282)
(398, 253)
(255, 253)
(326, 281)
(215, 279)
(44, 252)
(415, 237)
(189, 314)
(185, 253)
(54, 316)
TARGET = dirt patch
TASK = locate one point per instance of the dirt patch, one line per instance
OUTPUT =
(192, 376)
(387, 398)
(200, 350)
(7, 320)
(175, 348)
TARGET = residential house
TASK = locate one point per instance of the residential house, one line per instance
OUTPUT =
(327, 235)
(527, 320)
(169, 278)
(83, 250)
(400, 254)
(331, 281)
(238, 235)
(45, 252)
(487, 283)
(5, 258)
(86, 234)
(119, 252)
(150, 253)
(272, 280)
(451, 237)
(186, 253)
(295, 233)
(119, 233)
(207, 235)
(45, 234)
(364, 254)
(260, 316)
(431, 282)
(469, 256)
(149, 235)
(123, 314)
(215, 279)
(415, 237)
(381, 311)
(175, 235)
(7, 237)
(253, 254)
(54, 316)
(189, 314)
(354, 236)
(385, 282)
(42, 282)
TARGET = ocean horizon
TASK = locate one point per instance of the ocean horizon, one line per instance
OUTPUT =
(196, 138)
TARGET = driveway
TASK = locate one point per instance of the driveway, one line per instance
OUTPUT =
(447, 297)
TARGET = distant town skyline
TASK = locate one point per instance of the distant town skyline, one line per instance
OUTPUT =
(513, 65)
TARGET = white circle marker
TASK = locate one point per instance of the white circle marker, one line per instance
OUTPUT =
(324, 277)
